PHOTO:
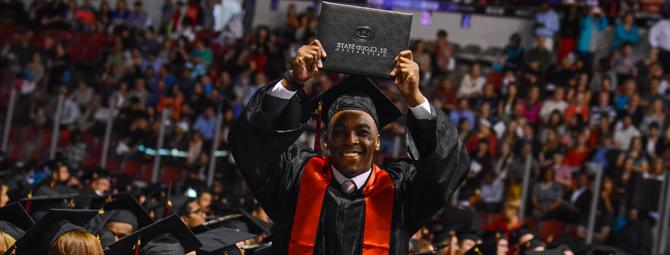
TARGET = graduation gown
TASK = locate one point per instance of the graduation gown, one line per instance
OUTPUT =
(262, 142)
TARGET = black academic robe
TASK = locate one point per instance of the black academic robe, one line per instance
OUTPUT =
(262, 142)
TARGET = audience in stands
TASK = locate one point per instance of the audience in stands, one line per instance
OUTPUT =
(572, 103)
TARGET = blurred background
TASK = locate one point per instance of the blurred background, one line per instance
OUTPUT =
(562, 104)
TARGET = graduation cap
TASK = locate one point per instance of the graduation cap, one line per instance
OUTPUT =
(220, 240)
(358, 93)
(516, 236)
(468, 235)
(54, 224)
(255, 225)
(126, 209)
(14, 220)
(37, 205)
(98, 203)
(487, 248)
(169, 232)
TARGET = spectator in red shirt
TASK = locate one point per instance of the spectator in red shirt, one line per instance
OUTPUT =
(510, 221)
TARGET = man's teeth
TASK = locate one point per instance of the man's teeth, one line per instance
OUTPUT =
(350, 154)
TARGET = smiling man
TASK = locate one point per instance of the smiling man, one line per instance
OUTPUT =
(342, 203)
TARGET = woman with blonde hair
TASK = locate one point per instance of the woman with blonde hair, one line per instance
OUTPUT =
(14, 221)
(59, 232)
(76, 242)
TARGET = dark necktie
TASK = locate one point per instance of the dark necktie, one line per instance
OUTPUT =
(349, 186)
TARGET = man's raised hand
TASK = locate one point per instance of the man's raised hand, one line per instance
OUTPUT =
(406, 74)
(307, 61)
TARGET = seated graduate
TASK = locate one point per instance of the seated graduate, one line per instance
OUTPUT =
(14, 222)
(168, 236)
(192, 215)
(59, 232)
(58, 183)
(222, 241)
(343, 203)
(118, 218)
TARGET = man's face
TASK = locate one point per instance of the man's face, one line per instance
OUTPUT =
(101, 186)
(119, 230)
(352, 139)
(196, 217)
(63, 173)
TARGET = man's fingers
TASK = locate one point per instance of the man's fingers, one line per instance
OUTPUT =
(321, 50)
(406, 54)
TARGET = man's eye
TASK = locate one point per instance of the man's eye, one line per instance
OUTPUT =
(363, 133)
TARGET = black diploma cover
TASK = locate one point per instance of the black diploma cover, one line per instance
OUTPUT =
(362, 41)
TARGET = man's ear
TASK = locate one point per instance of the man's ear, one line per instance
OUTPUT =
(378, 142)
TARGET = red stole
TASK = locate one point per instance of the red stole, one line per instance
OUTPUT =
(378, 193)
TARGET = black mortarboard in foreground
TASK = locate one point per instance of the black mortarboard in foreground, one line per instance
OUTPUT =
(218, 240)
(468, 235)
(358, 93)
(37, 206)
(255, 225)
(167, 236)
(14, 220)
(487, 248)
(126, 209)
(53, 225)
(98, 203)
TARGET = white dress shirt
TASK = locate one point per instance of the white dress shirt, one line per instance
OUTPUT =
(659, 35)
(359, 180)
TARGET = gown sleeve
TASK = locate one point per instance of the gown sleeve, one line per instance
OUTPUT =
(438, 163)
(262, 144)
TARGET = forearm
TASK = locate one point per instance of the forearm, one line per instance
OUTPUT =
(267, 127)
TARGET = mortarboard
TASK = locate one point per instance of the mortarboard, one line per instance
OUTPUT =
(358, 93)
(222, 239)
(468, 235)
(254, 224)
(14, 220)
(487, 248)
(169, 232)
(54, 224)
(98, 203)
(126, 209)
(37, 205)
(516, 236)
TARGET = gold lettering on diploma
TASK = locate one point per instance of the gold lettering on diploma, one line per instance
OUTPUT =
(358, 49)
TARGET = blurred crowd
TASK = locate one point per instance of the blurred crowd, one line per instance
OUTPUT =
(589, 94)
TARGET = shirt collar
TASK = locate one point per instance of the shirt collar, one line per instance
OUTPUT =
(359, 180)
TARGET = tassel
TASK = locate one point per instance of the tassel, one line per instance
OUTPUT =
(29, 203)
(317, 138)
(137, 246)
(168, 208)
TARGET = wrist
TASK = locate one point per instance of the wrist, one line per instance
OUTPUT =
(415, 99)
(290, 82)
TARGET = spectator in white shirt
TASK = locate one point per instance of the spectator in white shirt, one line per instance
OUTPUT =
(659, 39)
(472, 83)
(624, 133)
(492, 193)
(556, 103)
